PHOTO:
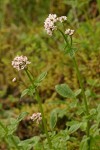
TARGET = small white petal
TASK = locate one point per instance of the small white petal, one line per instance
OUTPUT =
(14, 79)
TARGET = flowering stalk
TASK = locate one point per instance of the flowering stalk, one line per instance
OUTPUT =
(41, 110)
(50, 25)
(44, 120)
(84, 96)
(83, 93)
(20, 63)
(82, 88)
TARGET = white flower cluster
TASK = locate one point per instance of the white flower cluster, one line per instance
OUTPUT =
(20, 62)
(62, 18)
(49, 23)
(69, 32)
(36, 117)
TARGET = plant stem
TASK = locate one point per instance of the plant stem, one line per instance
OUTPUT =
(69, 44)
(84, 98)
(83, 93)
(30, 78)
(41, 110)
(44, 120)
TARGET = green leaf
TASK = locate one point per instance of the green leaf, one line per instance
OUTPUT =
(29, 143)
(74, 128)
(77, 92)
(84, 145)
(3, 130)
(98, 114)
(12, 141)
(14, 123)
(12, 127)
(31, 90)
(53, 119)
(22, 116)
(24, 92)
(64, 90)
(95, 142)
(40, 78)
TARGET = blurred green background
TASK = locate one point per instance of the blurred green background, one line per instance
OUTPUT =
(22, 33)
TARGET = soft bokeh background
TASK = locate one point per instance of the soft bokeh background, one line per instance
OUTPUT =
(22, 33)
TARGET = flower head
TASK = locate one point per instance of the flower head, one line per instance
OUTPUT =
(20, 62)
(69, 32)
(14, 79)
(36, 117)
(62, 18)
(49, 24)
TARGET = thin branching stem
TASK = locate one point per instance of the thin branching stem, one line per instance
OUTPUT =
(84, 97)
(41, 109)
(29, 76)
(43, 118)
(82, 87)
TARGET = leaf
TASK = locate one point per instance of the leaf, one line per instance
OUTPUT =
(95, 142)
(29, 143)
(31, 90)
(22, 116)
(12, 141)
(74, 128)
(53, 119)
(12, 127)
(24, 92)
(40, 78)
(84, 145)
(2, 130)
(77, 92)
(14, 123)
(61, 113)
(59, 140)
(64, 90)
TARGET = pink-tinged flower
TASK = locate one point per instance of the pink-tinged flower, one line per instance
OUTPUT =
(69, 32)
(36, 117)
(49, 24)
(62, 18)
(14, 80)
(20, 62)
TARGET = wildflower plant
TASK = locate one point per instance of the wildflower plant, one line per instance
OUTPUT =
(20, 63)
(90, 118)
(64, 90)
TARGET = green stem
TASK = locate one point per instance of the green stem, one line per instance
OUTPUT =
(64, 36)
(81, 85)
(41, 110)
(29, 76)
(83, 93)
(84, 98)
(44, 120)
